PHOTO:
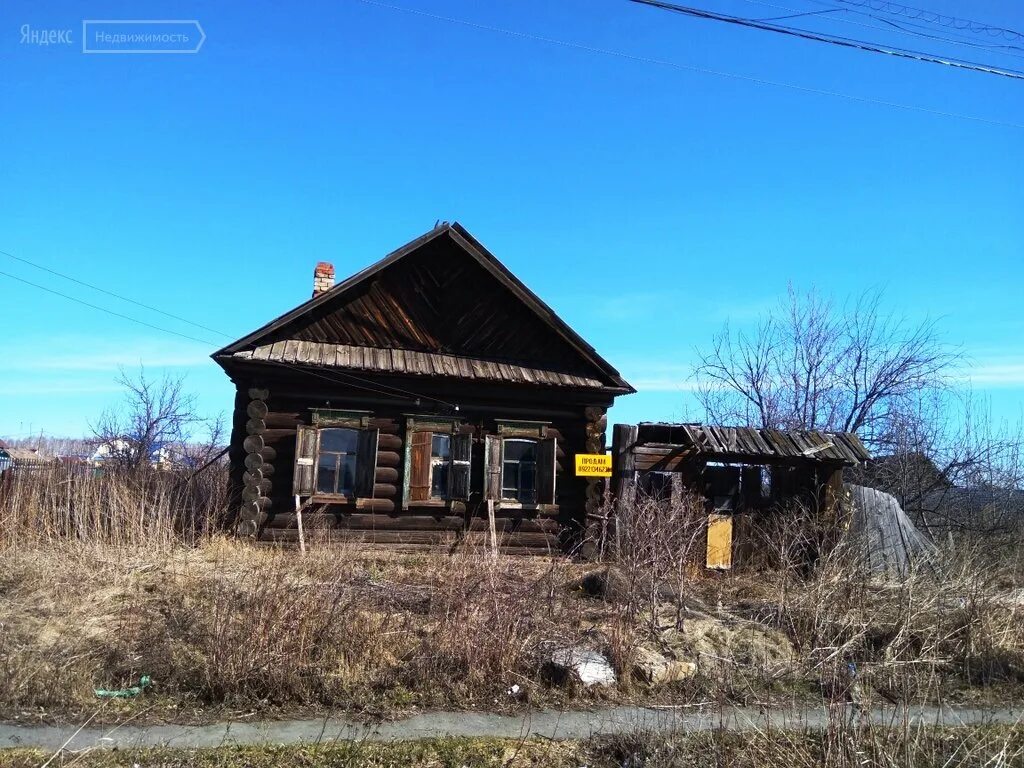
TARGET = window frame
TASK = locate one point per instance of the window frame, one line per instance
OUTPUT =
(546, 474)
(338, 454)
(441, 461)
(435, 427)
(505, 461)
(306, 465)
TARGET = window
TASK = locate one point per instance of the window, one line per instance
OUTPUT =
(336, 461)
(440, 456)
(519, 470)
(437, 466)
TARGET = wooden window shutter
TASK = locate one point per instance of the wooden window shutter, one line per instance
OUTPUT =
(366, 463)
(462, 450)
(419, 466)
(305, 461)
(546, 471)
(492, 467)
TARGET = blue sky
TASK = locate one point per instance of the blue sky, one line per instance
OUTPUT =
(646, 201)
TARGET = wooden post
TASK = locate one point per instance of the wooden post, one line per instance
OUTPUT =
(595, 516)
(492, 528)
(298, 520)
(624, 437)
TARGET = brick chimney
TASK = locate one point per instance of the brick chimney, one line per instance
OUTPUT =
(323, 278)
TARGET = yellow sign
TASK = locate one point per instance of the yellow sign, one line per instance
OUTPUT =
(593, 465)
(719, 542)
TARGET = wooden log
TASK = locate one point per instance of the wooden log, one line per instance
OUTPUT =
(271, 436)
(253, 444)
(268, 453)
(252, 477)
(263, 486)
(358, 521)
(252, 493)
(257, 409)
(384, 490)
(548, 510)
(257, 507)
(259, 393)
(255, 426)
(375, 505)
(389, 443)
(253, 461)
(388, 459)
(282, 420)
(386, 475)
(510, 525)
(369, 537)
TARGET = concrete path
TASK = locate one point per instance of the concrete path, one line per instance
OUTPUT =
(541, 724)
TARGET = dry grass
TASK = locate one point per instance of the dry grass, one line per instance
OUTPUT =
(103, 580)
(840, 744)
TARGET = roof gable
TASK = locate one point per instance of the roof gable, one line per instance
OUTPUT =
(443, 293)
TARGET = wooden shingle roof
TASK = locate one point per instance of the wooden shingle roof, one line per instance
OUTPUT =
(716, 443)
(344, 356)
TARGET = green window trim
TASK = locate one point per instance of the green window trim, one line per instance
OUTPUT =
(520, 428)
(333, 417)
(438, 424)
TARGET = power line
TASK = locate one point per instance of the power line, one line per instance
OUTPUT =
(693, 68)
(351, 377)
(1005, 50)
(115, 295)
(932, 17)
(104, 309)
(845, 42)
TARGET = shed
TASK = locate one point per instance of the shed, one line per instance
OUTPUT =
(738, 470)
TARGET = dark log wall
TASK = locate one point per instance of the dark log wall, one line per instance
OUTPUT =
(381, 519)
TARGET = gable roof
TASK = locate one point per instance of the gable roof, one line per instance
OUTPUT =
(353, 331)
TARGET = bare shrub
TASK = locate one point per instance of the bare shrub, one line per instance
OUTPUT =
(912, 639)
(657, 546)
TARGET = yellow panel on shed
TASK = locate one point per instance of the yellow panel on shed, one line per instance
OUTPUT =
(719, 542)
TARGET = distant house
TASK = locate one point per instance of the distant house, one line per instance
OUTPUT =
(417, 400)
(22, 458)
(161, 455)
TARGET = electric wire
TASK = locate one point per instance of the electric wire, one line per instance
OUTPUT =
(1005, 50)
(111, 293)
(693, 68)
(104, 309)
(838, 40)
(304, 369)
(933, 17)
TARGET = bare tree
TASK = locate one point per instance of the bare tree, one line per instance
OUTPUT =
(951, 467)
(156, 415)
(813, 365)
